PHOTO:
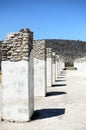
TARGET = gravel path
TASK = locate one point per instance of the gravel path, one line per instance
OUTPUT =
(64, 107)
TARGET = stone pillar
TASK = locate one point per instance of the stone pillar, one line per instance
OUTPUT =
(77, 63)
(0, 53)
(0, 81)
(53, 67)
(0, 101)
(57, 66)
(49, 66)
(40, 87)
(61, 65)
(17, 76)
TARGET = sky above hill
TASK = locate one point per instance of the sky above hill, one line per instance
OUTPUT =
(48, 19)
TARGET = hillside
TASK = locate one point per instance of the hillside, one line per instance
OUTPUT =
(69, 49)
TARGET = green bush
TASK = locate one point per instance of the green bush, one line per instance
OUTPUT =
(69, 64)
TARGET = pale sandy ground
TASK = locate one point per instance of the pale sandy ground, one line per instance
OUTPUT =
(64, 108)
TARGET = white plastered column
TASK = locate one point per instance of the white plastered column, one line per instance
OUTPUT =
(57, 66)
(40, 86)
(49, 66)
(53, 67)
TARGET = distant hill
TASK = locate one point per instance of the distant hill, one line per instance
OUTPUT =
(69, 49)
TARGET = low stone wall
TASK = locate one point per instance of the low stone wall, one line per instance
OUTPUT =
(80, 64)
(17, 76)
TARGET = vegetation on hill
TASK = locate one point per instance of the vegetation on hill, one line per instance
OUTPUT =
(69, 49)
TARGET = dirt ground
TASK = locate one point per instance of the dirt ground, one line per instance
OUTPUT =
(64, 107)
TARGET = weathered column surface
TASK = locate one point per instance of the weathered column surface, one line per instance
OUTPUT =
(17, 76)
(57, 66)
(40, 87)
(49, 66)
(0, 53)
(53, 67)
(77, 63)
(61, 65)
(0, 82)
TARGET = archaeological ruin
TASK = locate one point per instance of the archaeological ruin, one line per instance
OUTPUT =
(17, 76)
(29, 66)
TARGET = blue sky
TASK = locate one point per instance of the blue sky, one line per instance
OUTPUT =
(48, 19)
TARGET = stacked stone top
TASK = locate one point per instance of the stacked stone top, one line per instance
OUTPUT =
(39, 49)
(57, 58)
(48, 52)
(53, 58)
(17, 46)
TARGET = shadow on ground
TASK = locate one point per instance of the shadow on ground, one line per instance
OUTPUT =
(59, 85)
(59, 80)
(55, 93)
(47, 113)
(61, 77)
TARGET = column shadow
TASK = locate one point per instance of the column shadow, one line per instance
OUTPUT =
(59, 77)
(59, 85)
(59, 80)
(62, 74)
(47, 113)
(55, 93)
